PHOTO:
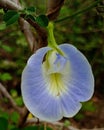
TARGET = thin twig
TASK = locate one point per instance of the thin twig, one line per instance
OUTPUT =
(59, 124)
(42, 34)
(53, 8)
(30, 37)
(23, 117)
(21, 110)
(8, 96)
(10, 5)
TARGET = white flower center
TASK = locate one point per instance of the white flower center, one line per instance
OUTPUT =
(55, 72)
(56, 84)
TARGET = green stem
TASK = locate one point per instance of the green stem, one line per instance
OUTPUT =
(45, 126)
(80, 11)
(51, 39)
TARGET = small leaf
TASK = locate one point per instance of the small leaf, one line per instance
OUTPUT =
(8, 15)
(7, 48)
(79, 116)
(67, 123)
(11, 17)
(14, 117)
(19, 101)
(13, 93)
(4, 114)
(2, 26)
(3, 123)
(30, 17)
(5, 76)
(31, 9)
(42, 20)
(88, 106)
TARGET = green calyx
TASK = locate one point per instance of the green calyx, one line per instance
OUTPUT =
(51, 39)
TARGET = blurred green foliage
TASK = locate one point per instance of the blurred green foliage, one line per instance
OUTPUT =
(3, 124)
(8, 121)
(85, 31)
(88, 106)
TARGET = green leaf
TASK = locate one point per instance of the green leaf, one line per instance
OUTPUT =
(3, 123)
(19, 101)
(8, 15)
(14, 117)
(30, 17)
(42, 20)
(5, 76)
(67, 123)
(7, 48)
(15, 129)
(13, 93)
(4, 114)
(79, 116)
(88, 106)
(2, 26)
(31, 9)
(11, 17)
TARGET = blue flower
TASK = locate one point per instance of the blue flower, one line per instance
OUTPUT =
(54, 84)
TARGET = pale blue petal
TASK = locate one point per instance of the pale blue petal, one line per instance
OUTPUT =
(59, 63)
(70, 105)
(81, 81)
(46, 108)
(40, 53)
(35, 95)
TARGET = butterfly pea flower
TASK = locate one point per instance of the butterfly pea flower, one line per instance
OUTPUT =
(56, 81)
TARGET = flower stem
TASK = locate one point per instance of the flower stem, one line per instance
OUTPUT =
(45, 126)
(51, 39)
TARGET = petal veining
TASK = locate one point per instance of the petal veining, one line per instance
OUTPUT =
(81, 81)
(53, 85)
(70, 105)
(35, 95)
